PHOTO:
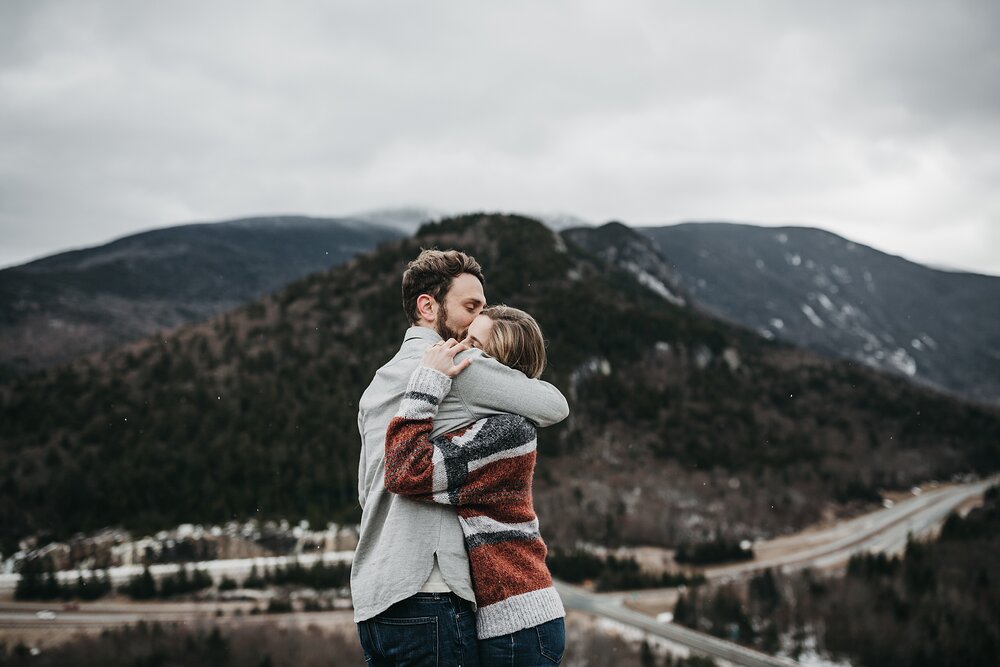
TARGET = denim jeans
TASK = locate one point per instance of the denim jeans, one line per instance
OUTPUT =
(538, 646)
(426, 630)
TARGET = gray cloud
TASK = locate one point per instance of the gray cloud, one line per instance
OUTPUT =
(879, 121)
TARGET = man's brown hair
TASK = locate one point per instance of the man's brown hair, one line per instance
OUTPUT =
(432, 273)
(515, 340)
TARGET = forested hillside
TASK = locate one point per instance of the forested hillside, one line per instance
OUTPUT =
(683, 428)
(66, 305)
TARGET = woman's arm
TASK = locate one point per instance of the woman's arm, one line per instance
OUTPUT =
(479, 465)
(408, 464)
(409, 449)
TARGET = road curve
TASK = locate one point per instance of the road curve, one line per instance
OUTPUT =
(576, 598)
(884, 531)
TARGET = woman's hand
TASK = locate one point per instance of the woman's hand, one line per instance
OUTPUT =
(441, 357)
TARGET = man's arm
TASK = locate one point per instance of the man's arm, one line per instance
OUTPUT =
(487, 387)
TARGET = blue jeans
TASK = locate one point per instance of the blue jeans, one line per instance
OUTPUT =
(426, 630)
(538, 646)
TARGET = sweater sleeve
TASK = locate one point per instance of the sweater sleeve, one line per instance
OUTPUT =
(470, 467)
(409, 448)
(487, 387)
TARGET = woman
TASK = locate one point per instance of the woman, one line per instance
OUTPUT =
(485, 470)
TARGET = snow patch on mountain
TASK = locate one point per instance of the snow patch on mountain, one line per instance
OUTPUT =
(903, 362)
(650, 281)
(841, 274)
(869, 281)
(821, 281)
(813, 317)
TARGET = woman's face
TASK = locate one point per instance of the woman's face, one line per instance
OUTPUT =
(479, 331)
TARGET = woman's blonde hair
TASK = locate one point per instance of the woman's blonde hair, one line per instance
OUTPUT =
(515, 340)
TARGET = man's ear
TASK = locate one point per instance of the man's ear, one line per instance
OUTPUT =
(427, 307)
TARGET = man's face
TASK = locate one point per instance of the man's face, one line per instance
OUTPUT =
(463, 302)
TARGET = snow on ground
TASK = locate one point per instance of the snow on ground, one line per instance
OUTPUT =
(808, 655)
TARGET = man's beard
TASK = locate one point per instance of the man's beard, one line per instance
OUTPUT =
(441, 326)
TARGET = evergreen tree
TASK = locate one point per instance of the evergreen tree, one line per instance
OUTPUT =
(646, 658)
(81, 591)
(50, 587)
(142, 586)
(254, 580)
(217, 649)
(764, 592)
(29, 585)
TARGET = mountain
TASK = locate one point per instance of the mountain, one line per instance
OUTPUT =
(819, 290)
(408, 219)
(558, 222)
(405, 219)
(621, 248)
(683, 428)
(66, 305)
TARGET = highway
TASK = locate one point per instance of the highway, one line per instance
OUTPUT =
(885, 531)
(697, 642)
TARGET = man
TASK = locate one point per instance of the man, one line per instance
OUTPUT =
(410, 582)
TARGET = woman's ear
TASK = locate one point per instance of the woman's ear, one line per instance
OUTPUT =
(427, 307)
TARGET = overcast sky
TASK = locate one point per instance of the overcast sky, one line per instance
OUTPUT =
(879, 121)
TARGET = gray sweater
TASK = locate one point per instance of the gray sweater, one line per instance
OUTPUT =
(399, 536)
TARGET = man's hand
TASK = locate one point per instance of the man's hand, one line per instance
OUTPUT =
(441, 357)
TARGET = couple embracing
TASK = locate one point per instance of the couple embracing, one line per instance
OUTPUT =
(450, 565)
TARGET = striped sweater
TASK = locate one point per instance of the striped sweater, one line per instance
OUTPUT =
(484, 470)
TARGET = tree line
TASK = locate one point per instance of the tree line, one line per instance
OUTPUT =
(39, 582)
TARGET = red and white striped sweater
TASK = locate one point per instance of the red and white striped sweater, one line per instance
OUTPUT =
(485, 470)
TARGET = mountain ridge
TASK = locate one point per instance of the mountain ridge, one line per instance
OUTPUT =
(815, 288)
(682, 428)
(75, 302)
